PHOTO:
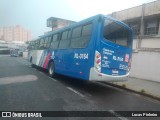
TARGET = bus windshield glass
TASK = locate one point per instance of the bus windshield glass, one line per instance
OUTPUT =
(117, 33)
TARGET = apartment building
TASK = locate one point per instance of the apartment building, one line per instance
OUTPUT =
(15, 33)
(1, 33)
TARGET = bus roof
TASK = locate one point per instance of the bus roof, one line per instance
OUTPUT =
(117, 21)
(73, 25)
(84, 21)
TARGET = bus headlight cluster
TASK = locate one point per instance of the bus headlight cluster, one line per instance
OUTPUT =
(97, 61)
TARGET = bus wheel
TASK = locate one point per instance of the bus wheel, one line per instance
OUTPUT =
(51, 71)
(31, 62)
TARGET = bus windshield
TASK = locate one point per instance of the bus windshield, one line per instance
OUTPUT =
(117, 33)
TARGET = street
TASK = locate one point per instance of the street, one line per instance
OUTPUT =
(23, 88)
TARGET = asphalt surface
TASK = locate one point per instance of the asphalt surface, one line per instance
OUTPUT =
(23, 88)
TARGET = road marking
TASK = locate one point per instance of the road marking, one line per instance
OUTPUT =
(118, 115)
(17, 79)
(53, 79)
(78, 93)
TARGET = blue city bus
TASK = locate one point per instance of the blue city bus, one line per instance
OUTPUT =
(98, 48)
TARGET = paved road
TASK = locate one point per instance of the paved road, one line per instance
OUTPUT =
(23, 88)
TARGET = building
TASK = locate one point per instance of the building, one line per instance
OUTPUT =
(4, 49)
(15, 33)
(1, 34)
(8, 33)
(57, 23)
(145, 22)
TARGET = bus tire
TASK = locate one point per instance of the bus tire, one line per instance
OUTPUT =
(51, 70)
(32, 65)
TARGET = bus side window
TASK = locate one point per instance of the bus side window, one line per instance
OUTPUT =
(38, 44)
(49, 42)
(76, 37)
(69, 34)
(86, 34)
(55, 42)
(87, 30)
(65, 41)
(30, 46)
(45, 42)
(41, 44)
(33, 45)
(81, 36)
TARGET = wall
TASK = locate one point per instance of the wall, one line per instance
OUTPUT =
(135, 43)
(128, 13)
(146, 65)
(150, 43)
(152, 8)
(146, 43)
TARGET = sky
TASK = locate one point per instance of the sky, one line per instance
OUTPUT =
(32, 14)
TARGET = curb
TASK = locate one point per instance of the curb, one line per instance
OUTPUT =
(131, 90)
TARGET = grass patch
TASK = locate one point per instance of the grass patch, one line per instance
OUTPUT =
(142, 91)
(124, 85)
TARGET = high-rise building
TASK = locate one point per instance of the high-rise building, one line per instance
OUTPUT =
(15, 33)
(8, 33)
(1, 34)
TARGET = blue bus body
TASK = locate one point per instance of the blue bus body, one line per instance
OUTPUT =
(100, 60)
